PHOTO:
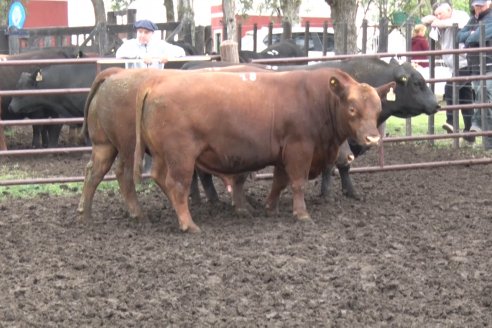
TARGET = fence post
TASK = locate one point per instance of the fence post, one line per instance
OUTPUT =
(200, 39)
(383, 35)
(325, 37)
(306, 39)
(255, 37)
(364, 36)
(209, 41)
(408, 37)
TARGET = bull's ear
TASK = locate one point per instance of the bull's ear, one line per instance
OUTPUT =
(386, 91)
(37, 75)
(394, 61)
(400, 75)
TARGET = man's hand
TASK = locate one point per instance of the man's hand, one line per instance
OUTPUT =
(427, 20)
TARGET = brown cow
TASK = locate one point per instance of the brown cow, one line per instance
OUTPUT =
(230, 123)
(110, 125)
(109, 122)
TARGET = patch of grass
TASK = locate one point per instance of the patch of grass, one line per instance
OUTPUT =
(396, 127)
(53, 189)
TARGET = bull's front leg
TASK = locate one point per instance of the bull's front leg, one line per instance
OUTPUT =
(347, 186)
(326, 181)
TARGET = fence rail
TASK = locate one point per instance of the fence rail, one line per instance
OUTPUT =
(377, 168)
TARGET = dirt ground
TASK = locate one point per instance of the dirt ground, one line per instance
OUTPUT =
(415, 251)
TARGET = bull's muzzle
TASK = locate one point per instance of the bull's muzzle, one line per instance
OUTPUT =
(372, 140)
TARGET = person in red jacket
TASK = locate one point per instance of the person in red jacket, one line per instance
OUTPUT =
(420, 43)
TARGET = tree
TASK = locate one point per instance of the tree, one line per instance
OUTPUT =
(169, 5)
(229, 17)
(187, 17)
(343, 13)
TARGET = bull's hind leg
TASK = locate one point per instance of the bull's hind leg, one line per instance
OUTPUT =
(238, 196)
(175, 182)
(101, 160)
(280, 182)
(124, 175)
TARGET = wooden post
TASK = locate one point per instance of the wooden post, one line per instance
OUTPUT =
(229, 51)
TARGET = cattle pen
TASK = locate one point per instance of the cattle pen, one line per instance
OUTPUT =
(412, 249)
(101, 62)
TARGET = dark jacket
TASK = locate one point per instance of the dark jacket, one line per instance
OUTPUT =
(470, 36)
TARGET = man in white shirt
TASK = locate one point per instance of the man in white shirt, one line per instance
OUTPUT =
(153, 52)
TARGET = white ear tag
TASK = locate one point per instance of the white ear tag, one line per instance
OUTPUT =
(39, 77)
(390, 96)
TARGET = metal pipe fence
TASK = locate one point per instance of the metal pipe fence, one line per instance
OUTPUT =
(104, 61)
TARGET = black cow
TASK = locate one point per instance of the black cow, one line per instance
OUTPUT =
(54, 77)
(284, 49)
(10, 75)
(412, 97)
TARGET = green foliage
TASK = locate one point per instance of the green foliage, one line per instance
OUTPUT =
(117, 5)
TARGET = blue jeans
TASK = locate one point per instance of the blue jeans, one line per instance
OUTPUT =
(477, 116)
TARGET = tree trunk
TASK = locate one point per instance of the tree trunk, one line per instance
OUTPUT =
(186, 16)
(99, 12)
(169, 10)
(229, 11)
(101, 37)
(343, 13)
(290, 16)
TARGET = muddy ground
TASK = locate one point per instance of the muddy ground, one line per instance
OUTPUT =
(415, 251)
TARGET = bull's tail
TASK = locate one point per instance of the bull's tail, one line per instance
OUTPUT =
(139, 143)
(98, 81)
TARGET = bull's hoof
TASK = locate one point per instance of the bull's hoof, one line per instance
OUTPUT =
(193, 228)
(244, 212)
(351, 194)
(305, 217)
(84, 216)
(137, 215)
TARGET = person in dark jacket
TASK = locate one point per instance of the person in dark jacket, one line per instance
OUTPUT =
(442, 31)
(420, 43)
(470, 36)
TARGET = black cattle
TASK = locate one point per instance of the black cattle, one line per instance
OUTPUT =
(411, 97)
(66, 105)
(284, 49)
(10, 75)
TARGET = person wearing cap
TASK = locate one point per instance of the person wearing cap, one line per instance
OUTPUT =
(441, 23)
(470, 36)
(153, 52)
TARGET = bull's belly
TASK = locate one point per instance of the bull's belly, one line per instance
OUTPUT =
(233, 162)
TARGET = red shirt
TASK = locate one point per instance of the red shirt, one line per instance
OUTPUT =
(420, 43)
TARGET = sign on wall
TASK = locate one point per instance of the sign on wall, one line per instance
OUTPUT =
(17, 15)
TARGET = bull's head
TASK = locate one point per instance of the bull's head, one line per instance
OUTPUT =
(360, 108)
(27, 81)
